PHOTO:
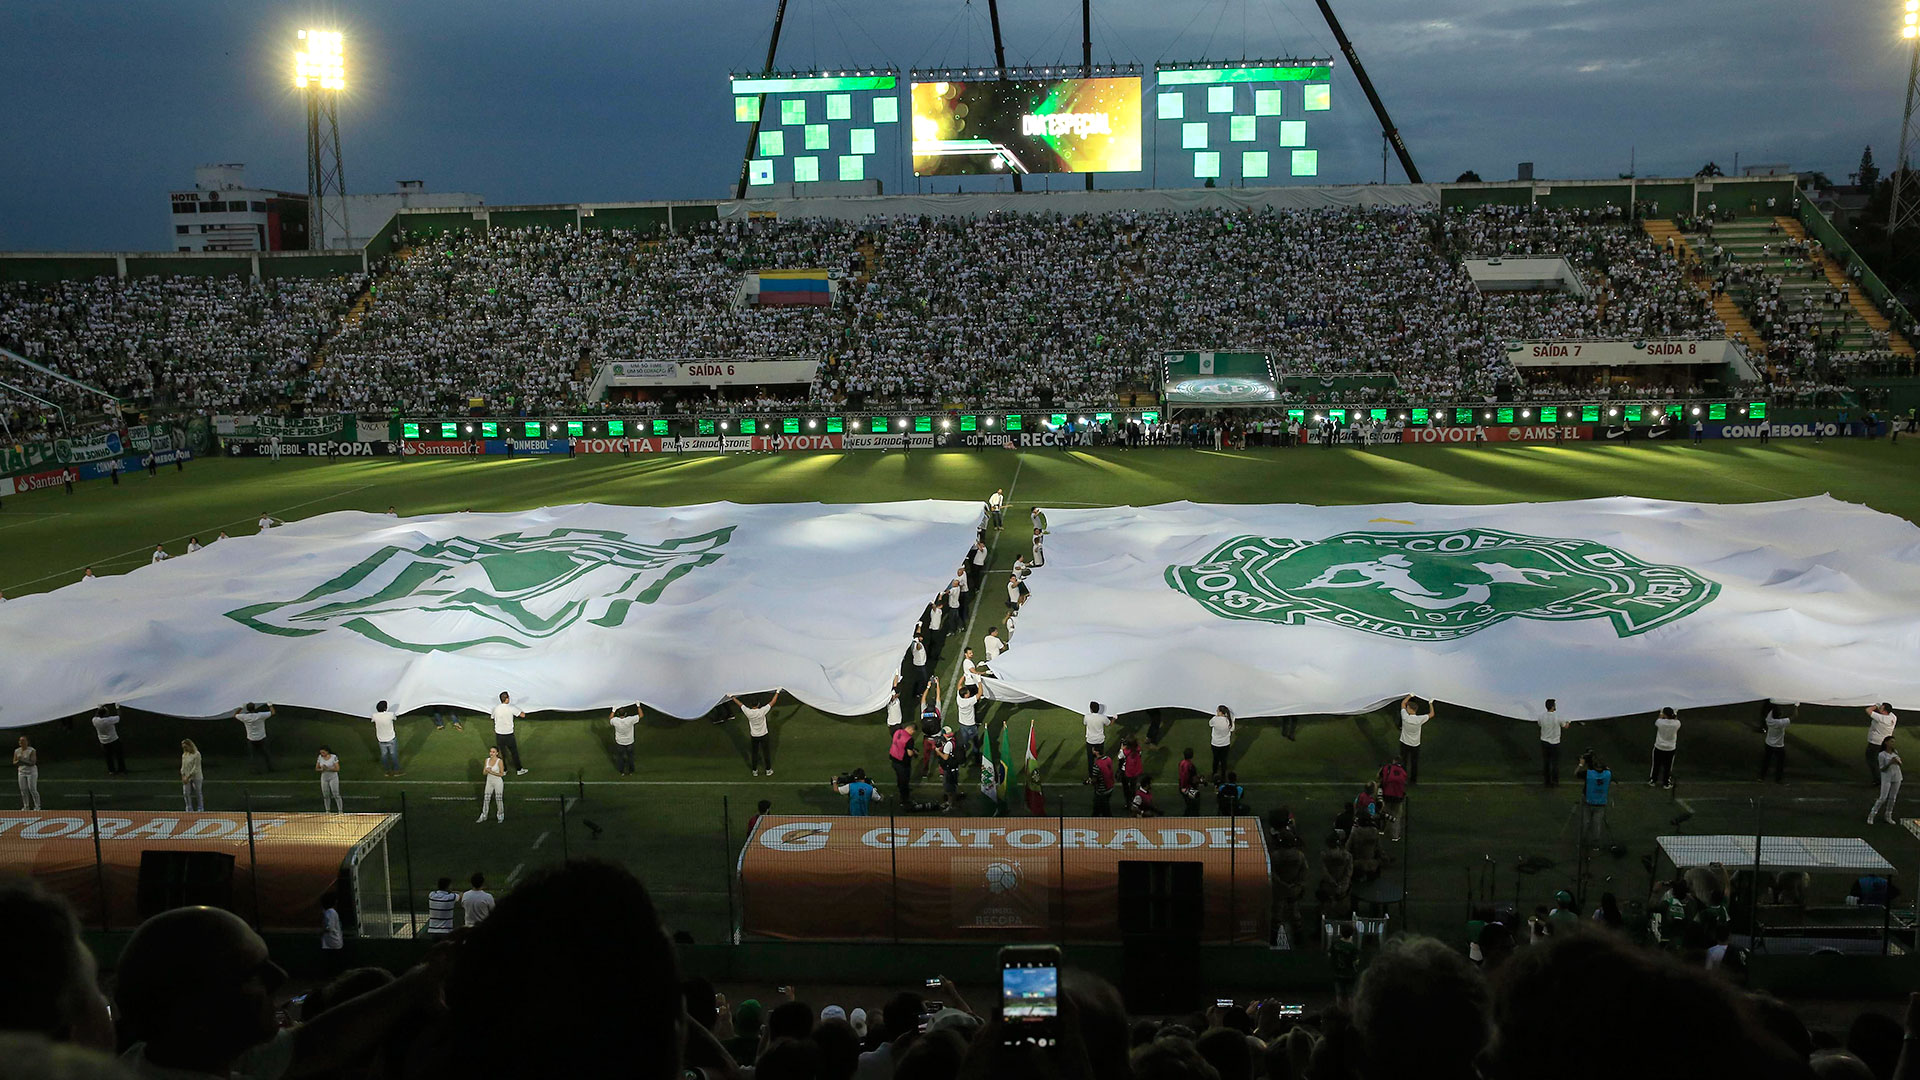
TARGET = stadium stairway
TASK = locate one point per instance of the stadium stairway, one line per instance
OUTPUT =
(1837, 276)
(1752, 243)
(358, 309)
(1725, 308)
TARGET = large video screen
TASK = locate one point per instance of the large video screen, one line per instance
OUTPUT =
(1029, 126)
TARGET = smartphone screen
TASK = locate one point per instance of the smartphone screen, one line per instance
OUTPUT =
(1030, 993)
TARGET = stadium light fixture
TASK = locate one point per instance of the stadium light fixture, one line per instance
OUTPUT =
(1525, 413)
(902, 424)
(551, 428)
(1613, 412)
(723, 425)
(1910, 27)
(989, 421)
(1489, 415)
(811, 424)
(945, 424)
(469, 429)
(1696, 410)
(322, 62)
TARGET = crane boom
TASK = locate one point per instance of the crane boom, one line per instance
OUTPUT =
(1373, 98)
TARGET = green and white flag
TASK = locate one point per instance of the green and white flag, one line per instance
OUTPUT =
(567, 608)
(1612, 606)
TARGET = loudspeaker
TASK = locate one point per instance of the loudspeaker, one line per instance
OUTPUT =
(1161, 898)
(1162, 912)
(174, 879)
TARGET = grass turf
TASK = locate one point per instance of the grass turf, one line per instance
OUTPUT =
(679, 821)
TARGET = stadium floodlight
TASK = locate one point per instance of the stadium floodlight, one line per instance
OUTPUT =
(1696, 410)
(1613, 412)
(320, 69)
(945, 424)
(551, 428)
(1910, 23)
(723, 425)
(1489, 415)
(1526, 413)
(989, 421)
(322, 63)
(811, 424)
(902, 424)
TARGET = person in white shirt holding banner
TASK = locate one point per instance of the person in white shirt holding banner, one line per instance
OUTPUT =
(623, 725)
(1666, 740)
(493, 793)
(758, 745)
(965, 705)
(1551, 728)
(383, 733)
(106, 727)
(1414, 714)
(1880, 724)
(503, 737)
(1889, 782)
(328, 766)
(1779, 717)
(1096, 723)
(254, 719)
(159, 555)
(1220, 738)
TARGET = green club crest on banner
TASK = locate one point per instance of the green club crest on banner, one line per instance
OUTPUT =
(1437, 586)
(514, 590)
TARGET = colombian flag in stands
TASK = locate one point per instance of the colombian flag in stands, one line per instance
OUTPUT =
(780, 287)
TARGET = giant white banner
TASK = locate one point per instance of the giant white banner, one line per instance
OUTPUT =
(568, 607)
(1612, 606)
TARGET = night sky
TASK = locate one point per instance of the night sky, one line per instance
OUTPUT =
(110, 103)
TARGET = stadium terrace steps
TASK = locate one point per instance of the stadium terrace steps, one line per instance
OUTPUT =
(1724, 308)
(1749, 244)
(1837, 275)
(361, 303)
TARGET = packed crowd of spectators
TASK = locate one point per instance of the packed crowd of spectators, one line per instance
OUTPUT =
(994, 311)
(216, 344)
(572, 971)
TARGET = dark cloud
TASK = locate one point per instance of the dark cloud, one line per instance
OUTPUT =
(110, 103)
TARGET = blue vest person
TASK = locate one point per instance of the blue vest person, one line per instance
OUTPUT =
(1597, 781)
(859, 792)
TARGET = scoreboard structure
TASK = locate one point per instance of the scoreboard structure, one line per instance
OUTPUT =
(1246, 121)
(815, 127)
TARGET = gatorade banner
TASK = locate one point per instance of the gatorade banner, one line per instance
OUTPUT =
(989, 878)
(1612, 606)
(567, 608)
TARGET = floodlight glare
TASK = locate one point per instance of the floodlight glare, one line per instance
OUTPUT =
(902, 423)
(989, 421)
(323, 63)
(1696, 410)
(812, 424)
(1613, 412)
(469, 429)
(1524, 413)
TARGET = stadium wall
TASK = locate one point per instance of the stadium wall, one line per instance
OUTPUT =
(1743, 195)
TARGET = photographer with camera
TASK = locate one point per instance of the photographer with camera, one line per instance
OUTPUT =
(1596, 784)
(858, 790)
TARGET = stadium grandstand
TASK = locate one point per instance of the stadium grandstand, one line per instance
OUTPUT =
(1463, 628)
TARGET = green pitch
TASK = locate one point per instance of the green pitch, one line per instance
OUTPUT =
(679, 821)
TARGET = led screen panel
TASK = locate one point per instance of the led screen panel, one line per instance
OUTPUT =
(1029, 126)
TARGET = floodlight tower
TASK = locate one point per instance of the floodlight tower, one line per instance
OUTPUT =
(320, 68)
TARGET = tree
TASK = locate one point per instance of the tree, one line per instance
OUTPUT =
(1710, 169)
(1468, 177)
(1868, 173)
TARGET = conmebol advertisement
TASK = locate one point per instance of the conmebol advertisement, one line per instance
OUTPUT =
(1026, 126)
